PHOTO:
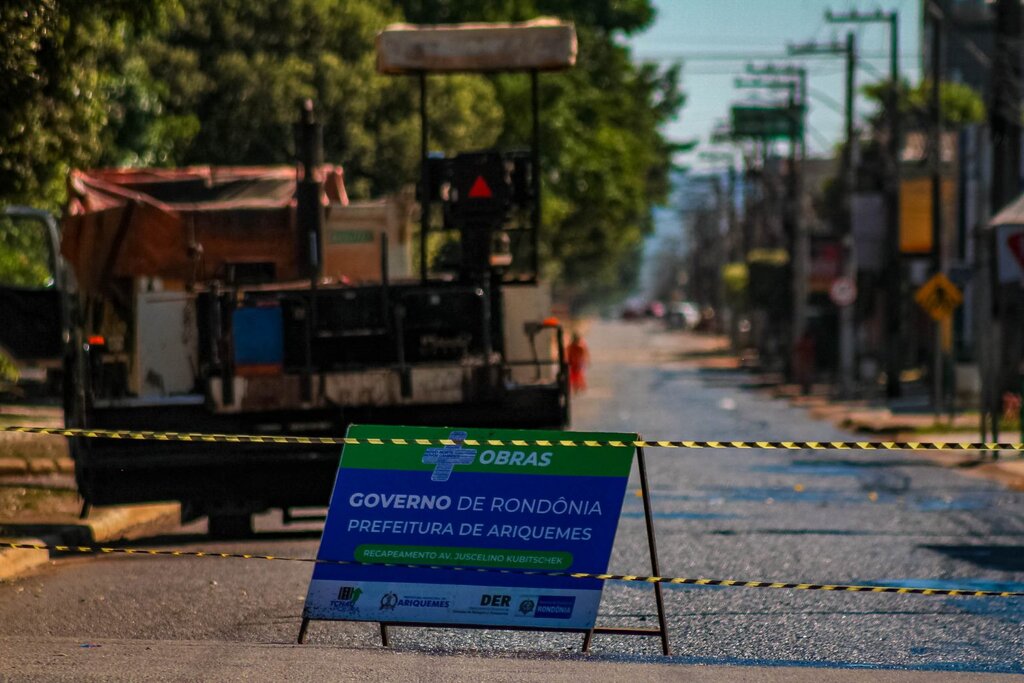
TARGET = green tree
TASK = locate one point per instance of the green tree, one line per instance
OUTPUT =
(58, 60)
(169, 82)
(606, 15)
(243, 66)
(24, 253)
(961, 104)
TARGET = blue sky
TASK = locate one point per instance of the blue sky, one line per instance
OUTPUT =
(715, 39)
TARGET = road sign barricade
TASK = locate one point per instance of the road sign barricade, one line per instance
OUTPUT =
(419, 503)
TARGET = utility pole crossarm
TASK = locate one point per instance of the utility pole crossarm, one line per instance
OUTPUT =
(812, 48)
(790, 70)
(856, 17)
(762, 83)
(783, 76)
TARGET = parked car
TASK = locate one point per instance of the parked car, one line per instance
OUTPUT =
(654, 309)
(633, 309)
(682, 315)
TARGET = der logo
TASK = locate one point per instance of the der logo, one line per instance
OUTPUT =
(495, 600)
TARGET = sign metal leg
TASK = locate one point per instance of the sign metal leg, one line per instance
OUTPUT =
(384, 640)
(662, 630)
(302, 631)
(645, 491)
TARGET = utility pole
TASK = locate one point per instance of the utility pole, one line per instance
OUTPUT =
(309, 147)
(894, 270)
(847, 314)
(794, 79)
(738, 247)
(1006, 94)
(1006, 139)
(942, 327)
(735, 248)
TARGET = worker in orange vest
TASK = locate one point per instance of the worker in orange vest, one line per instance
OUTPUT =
(578, 357)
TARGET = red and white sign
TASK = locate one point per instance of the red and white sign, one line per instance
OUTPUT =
(1016, 244)
(1010, 253)
(843, 291)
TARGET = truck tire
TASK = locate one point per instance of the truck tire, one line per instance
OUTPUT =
(230, 525)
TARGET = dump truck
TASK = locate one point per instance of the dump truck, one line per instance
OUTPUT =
(261, 300)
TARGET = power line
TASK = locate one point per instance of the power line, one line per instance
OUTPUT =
(867, 66)
(819, 137)
(820, 69)
(747, 55)
(826, 99)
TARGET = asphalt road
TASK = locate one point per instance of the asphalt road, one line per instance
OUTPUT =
(737, 514)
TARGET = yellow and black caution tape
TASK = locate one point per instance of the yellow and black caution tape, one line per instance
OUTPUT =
(672, 580)
(195, 437)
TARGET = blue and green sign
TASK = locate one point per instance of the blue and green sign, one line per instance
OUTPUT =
(548, 509)
(766, 122)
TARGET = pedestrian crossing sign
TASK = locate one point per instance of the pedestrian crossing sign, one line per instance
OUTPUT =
(939, 297)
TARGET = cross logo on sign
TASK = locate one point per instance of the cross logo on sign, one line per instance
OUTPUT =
(445, 459)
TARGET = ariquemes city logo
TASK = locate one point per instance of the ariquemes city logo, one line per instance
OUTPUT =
(388, 601)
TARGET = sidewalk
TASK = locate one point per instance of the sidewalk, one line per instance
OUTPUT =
(878, 422)
(39, 502)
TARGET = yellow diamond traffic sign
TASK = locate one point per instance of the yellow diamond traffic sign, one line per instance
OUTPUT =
(939, 297)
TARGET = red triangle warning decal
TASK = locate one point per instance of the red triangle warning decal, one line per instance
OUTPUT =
(480, 189)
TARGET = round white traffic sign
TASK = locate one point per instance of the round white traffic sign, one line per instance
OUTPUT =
(843, 291)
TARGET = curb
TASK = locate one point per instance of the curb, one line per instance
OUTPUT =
(1009, 472)
(14, 563)
(123, 523)
(857, 416)
(20, 466)
(104, 525)
(13, 466)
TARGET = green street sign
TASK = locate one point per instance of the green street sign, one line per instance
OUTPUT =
(769, 123)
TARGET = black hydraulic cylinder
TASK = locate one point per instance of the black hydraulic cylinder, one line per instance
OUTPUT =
(310, 210)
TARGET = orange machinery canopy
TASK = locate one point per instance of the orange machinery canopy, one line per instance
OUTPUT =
(184, 224)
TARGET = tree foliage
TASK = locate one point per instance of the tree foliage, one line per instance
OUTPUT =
(24, 253)
(243, 66)
(961, 104)
(58, 63)
(627, 16)
(173, 82)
